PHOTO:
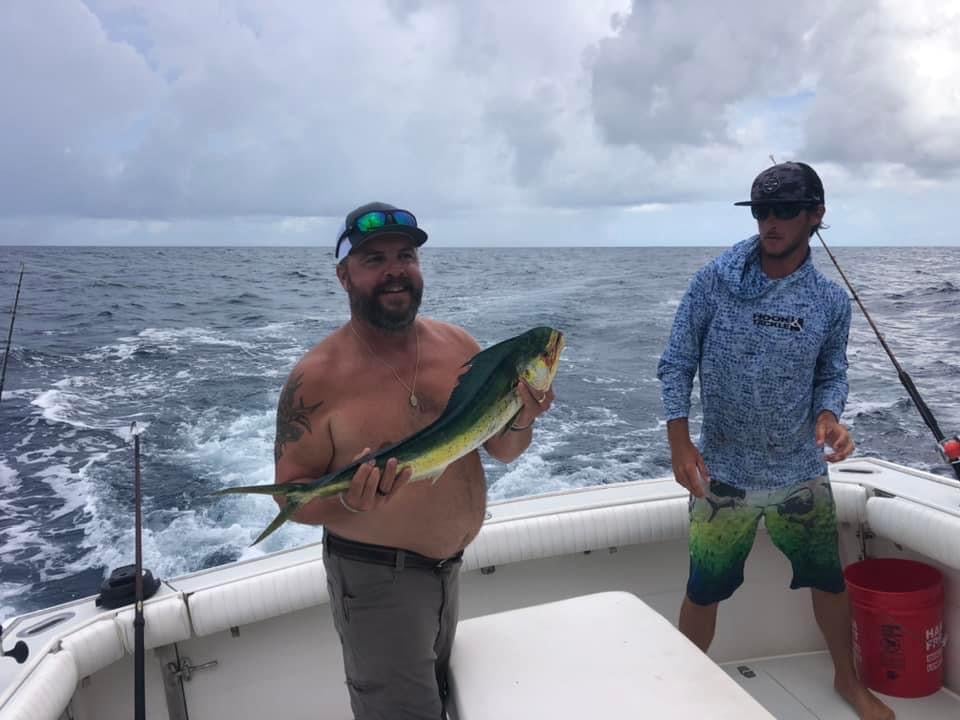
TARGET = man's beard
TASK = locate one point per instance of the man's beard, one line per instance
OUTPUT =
(369, 308)
(786, 252)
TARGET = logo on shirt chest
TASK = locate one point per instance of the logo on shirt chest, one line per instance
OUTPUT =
(784, 322)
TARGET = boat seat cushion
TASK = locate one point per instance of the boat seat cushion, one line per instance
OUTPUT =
(930, 532)
(46, 690)
(94, 646)
(573, 532)
(166, 621)
(602, 655)
(851, 501)
(259, 597)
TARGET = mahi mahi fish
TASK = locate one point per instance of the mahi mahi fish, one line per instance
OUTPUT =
(484, 402)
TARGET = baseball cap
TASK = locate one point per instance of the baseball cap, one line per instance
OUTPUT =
(376, 219)
(789, 183)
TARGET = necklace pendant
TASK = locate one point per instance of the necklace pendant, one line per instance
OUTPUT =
(413, 400)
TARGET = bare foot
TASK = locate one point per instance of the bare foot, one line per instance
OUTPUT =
(867, 705)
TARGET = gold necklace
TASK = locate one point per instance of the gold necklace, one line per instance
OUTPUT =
(414, 401)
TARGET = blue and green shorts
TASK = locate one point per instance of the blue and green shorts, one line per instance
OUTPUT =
(801, 520)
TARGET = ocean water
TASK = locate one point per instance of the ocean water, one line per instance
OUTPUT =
(194, 345)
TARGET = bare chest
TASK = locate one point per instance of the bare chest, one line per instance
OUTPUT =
(377, 411)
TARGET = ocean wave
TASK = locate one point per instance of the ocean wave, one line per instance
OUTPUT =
(602, 380)
(43, 454)
(9, 592)
(8, 476)
(119, 353)
(245, 299)
(275, 329)
(169, 337)
(108, 284)
(61, 407)
(857, 407)
(944, 287)
(161, 343)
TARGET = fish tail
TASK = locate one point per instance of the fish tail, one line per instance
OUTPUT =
(278, 489)
(295, 496)
(291, 507)
(294, 502)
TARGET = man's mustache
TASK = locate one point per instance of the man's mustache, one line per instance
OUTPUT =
(394, 286)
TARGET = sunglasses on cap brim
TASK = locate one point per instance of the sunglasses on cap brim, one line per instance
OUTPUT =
(781, 212)
(377, 220)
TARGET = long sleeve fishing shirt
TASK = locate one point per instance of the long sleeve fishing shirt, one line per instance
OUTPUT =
(771, 356)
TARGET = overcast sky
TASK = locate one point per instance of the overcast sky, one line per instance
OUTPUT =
(533, 122)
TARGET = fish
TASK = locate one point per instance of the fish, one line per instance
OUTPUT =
(485, 402)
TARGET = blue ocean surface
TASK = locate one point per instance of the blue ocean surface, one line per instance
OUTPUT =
(194, 345)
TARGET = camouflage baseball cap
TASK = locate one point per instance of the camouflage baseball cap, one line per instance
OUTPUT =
(789, 183)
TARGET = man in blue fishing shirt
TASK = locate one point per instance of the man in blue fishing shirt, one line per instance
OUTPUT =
(768, 335)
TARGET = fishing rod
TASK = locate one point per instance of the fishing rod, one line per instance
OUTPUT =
(139, 697)
(949, 447)
(13, 316)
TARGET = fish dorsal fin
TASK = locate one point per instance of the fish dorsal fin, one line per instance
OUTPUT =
(481, 367)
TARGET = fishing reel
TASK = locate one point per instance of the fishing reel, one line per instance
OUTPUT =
(950, 449)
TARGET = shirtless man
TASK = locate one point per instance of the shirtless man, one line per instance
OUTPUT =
(392, 550)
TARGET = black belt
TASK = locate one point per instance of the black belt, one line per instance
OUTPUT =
(381, 555)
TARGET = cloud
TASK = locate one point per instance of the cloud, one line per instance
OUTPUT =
(674, 69)
(888, 91)
(265, 114)
(873, 82)
(68, 92)
(207, 109)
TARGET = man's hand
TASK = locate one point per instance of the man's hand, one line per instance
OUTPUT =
(508, 445)
(370, 489)
(535, 403)
(830, 432)
(689, 469)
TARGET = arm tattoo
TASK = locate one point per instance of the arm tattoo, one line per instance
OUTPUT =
(292, 419)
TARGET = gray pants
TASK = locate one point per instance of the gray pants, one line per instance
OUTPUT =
(396, 625)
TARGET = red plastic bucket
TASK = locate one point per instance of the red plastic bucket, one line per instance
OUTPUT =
(897, 618)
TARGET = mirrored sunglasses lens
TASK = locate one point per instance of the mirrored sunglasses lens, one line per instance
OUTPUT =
(402, 217)
(371, 221)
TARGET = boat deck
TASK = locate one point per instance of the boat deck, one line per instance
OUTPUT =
(800, 687)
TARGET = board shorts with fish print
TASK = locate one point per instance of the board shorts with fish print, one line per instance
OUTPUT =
(801, 520)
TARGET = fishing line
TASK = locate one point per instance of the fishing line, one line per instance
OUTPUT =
(949, 447)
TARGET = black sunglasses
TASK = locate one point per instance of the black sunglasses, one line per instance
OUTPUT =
(781, 212)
